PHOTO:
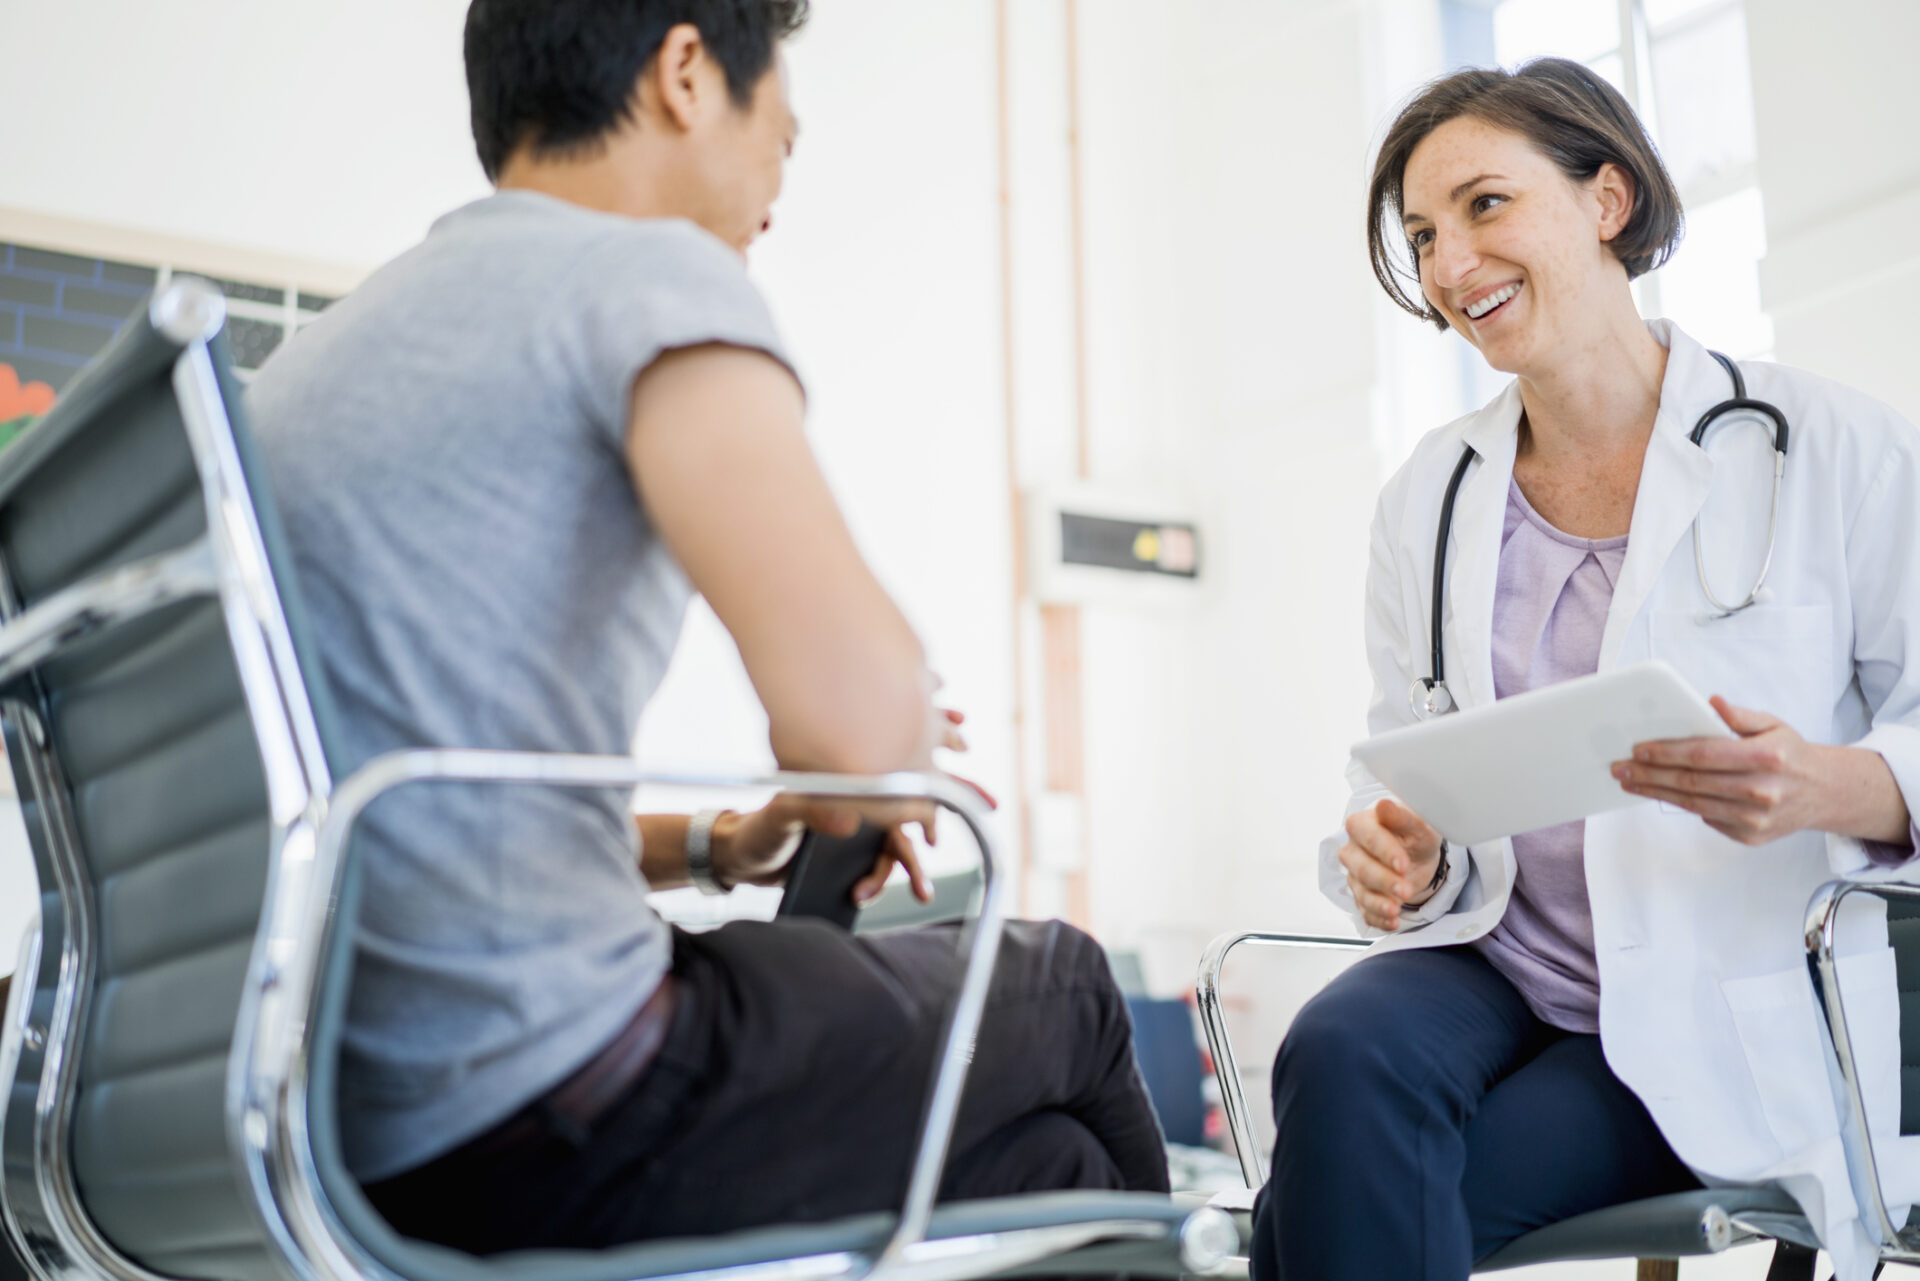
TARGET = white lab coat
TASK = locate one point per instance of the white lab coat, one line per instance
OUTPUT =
(1706, 1009)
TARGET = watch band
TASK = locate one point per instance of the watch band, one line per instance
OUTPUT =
(789, 847)
(700, 852)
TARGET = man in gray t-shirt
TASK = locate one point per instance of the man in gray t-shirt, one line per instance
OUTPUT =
(505, 464)
(449, 441)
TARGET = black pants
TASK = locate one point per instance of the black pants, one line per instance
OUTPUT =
(791, 1085)
(1425, 1118)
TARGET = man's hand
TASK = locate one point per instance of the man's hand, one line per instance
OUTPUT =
(1769, 782)
(751, 848)
(1390, 856)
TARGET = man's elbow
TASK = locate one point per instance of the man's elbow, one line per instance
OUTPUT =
(886, 723)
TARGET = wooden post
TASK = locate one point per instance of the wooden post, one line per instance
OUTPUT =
(1658, 1270)
(1065, 724)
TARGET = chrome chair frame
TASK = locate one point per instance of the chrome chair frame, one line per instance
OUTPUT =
(1896, 1245)
(1213, 1018)
(275, 1104)
(268, 1074)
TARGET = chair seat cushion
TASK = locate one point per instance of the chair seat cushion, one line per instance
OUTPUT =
(419, 1261)
(1665, 1227)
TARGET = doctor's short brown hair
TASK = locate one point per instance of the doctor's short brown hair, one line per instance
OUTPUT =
(1573, 116)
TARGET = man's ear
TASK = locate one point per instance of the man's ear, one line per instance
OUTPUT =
(1614, 189)
(676, 75)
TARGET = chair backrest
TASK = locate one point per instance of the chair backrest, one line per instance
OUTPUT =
(164, 746)
(1903, 931)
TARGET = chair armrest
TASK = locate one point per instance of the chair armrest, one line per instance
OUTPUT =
(1226, 1069)
(1863, 1170)
(303, 920)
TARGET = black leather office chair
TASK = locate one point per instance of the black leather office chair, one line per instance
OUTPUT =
(171, 1109)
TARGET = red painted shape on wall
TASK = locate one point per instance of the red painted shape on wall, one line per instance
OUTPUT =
(17, 401)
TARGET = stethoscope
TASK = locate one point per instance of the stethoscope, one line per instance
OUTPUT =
(1429, 695)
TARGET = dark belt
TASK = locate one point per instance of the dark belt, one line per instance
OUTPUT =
(568, 1111)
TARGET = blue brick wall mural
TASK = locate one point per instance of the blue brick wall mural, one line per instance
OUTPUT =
(58, 310)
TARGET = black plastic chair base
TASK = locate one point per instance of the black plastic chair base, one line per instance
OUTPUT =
(1793, 1262)
(1796, 1263)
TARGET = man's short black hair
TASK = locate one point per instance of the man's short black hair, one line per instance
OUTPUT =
(558, 75)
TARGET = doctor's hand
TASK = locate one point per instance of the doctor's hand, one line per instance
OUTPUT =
(1391, 857)
(1769, 782)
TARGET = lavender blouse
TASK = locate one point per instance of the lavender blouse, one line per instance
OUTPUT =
(1551, 602)
(1551, 606)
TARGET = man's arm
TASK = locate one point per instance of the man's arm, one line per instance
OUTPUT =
(663, 850)
(716, 449)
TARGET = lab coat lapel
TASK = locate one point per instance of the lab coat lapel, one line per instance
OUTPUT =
(1473, 572)
(1674, 481)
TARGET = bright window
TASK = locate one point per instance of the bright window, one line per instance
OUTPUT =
(1579, 29)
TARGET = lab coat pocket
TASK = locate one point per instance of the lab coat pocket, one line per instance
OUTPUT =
(1780, 1036)
(1783, 1037)
(1776, 659)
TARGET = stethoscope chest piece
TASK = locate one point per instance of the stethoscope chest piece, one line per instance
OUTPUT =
(1429, 698)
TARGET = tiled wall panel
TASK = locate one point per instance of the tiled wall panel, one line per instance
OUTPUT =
(57, 310)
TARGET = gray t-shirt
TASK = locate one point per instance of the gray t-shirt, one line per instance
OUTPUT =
(447, 446)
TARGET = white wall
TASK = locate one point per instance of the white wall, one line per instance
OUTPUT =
(1835, 98)
(1231, 359)
(883, 270)
(332, 131)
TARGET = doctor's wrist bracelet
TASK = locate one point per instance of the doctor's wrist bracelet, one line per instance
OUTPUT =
(1439, 869)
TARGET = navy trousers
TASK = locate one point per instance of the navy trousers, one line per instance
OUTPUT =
(1426, 1118)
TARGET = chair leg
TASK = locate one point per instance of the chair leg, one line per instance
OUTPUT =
(1658, 1270)
(1792, 1262)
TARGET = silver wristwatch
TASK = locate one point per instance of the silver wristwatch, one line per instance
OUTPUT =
(700, 852)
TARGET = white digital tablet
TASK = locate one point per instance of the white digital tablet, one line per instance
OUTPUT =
(1539, 758)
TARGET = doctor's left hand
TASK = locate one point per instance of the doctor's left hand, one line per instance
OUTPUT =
(1767, 783)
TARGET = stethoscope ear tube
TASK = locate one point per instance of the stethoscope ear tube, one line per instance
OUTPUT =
(1429, 695)
(1740, 402)
(1749, 405)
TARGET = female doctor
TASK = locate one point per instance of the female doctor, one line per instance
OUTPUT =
(1605, 1011)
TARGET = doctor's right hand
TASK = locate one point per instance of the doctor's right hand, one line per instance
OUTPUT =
(1392, 858)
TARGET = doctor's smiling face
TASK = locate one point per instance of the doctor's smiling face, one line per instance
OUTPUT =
(1515, 206)
(1512, 252)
